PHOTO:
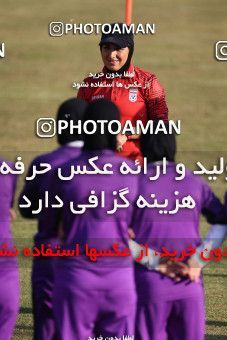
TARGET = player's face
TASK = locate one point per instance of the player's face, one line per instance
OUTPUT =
(113, 56)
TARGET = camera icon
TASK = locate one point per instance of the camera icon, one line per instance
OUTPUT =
(45, 127)
(221, 50)
(56, 29)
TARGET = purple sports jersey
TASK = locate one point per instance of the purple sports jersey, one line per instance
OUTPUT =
(158, 294)
(7, 187)
(9, 275)
(93, 298)
(34, 189)
(43, 268)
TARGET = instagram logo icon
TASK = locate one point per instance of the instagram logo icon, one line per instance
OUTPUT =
(221, 50)
(56, 29)
(45, 127)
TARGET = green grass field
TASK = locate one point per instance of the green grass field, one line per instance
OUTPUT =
(37, 75)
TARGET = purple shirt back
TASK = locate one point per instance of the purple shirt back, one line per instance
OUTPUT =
(34, 189)
(7, 191)
(175, 232)
(95, 227)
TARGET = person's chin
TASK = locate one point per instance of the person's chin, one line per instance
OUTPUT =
(113, 68)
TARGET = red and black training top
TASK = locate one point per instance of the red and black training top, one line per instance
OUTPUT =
(145, 102)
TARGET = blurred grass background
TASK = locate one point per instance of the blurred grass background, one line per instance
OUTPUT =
(37, 75)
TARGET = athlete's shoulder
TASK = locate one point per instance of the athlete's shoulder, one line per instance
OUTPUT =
(144, 74)
(93, 77)
(45, 157)
(5, 161)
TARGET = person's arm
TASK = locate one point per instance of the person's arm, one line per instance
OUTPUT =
(84, 92)
(213, 239)
(173, 269)
(123, 138)
(211, 207)
(155, 101)
(156, 108)
(151, 261)
(12, 212)
(215, 214)
(31, 191)
(81, 93)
